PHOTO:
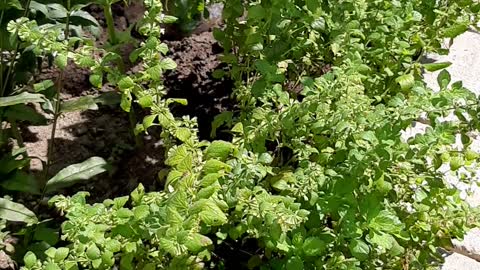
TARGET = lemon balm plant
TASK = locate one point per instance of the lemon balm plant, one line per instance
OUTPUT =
(318, 174)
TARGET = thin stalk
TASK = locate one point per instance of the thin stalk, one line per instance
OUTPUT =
(1, 51)
(59, 86)
(133, 122)
(107, 10)
(16, 133)
(14, 55)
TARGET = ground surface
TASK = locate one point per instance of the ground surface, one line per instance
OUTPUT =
(465, 57)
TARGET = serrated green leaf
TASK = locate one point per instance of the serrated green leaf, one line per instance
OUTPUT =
(61, 61)
(30, 259)
(314, 246)
(93, 252)
(214, 166)
(168, 64)
(444, 79)
(96, 80)
(183, 134)
(455, 30)
(141, 212)
(406, 81)
(197, 242)
(294, 263)
(61, 254)
(219, 150)
(359, 249)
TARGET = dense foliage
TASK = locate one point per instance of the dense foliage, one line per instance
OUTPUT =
(317, 175)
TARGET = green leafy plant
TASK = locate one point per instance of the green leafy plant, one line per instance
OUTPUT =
(318, 174)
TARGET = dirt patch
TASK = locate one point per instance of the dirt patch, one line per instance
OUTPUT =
(197, 57)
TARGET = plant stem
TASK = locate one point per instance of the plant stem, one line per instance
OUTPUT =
(16, 133)
(1, 52)
(56, 114)
(107, 10)
(133, 121)
(14, 55)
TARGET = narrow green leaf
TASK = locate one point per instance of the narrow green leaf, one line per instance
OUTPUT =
(22, 112)
(22, 182)
(436, 66)
(80, 104)
(76, 173)
(455, 30)
(15, 212)
(43, 85)
(22, 98)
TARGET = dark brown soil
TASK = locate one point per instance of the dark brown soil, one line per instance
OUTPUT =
(197, 58)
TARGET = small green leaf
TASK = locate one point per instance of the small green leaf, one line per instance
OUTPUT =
(168, 64)
(93, 252)
(294, 263)
(219, 150)
(43, 85)
(76, 173)
(471, 155)
(126, 83)
(96, 80)
(436, 66)
(359, 249)
(61, 61)
(52, 266)
(444, 79)
(15, 212)
(406, 81)
(183, 134)
(314, 246)
(265, 158)
(456, 163)
(141, 212)
(113, 245)
(124, 213)
(214, 166)
(61, 254)
(30, 259)
(197, 242)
